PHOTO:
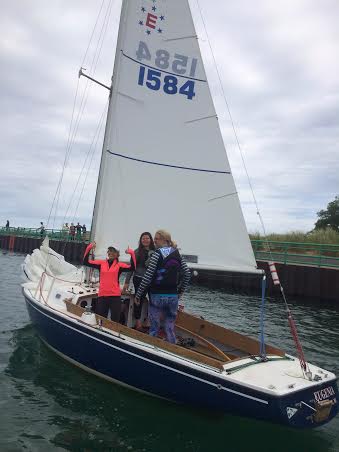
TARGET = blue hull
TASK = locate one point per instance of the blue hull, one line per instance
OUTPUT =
(113, 358)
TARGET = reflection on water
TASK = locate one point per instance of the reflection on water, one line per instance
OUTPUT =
(49, 404)
(74, 410)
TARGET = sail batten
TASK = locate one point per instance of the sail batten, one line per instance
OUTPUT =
(164, 163)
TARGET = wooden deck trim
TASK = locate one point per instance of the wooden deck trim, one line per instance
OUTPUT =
(221, 355)
(227, 337)
(156, 342)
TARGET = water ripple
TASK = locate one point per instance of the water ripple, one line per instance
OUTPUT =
(47, 404)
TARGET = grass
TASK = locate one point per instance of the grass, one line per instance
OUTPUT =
(322, 236)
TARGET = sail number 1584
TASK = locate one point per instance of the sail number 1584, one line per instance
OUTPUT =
(169, 83)
(174, 82)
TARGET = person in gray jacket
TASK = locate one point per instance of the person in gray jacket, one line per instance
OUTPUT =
(142, 254)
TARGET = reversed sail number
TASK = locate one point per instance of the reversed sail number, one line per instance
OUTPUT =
(179, 65)
(153, 80)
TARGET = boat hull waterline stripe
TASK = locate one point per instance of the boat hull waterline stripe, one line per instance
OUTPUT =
(161, 70)
(151, 361)
(167, 165)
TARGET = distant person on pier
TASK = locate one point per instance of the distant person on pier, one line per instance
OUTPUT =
(7, 224)
(167, 277)
(41, 229)
(78, 228)
(65, 230)
(84, 229)
(109, 296)
(72, 231)
(142, 255)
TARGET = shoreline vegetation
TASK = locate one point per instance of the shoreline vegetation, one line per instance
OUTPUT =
(320, 236)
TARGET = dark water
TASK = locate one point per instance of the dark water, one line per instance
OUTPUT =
(47, 404)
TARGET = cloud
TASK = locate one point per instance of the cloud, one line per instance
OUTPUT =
(278, 67)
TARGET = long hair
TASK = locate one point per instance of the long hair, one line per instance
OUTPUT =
(141, 251)
(167, 236)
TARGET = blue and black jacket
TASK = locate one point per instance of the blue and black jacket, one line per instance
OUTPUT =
(167, 273)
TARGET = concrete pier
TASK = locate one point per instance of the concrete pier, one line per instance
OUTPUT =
(317, 283)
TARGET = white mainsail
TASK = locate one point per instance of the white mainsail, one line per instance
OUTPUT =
(164, 164)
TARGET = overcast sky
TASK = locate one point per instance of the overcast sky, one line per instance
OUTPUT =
(278, 62)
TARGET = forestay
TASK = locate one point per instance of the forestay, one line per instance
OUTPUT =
(164, 164)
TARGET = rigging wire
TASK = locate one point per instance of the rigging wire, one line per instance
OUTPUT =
(92, 34)
(58, 190)
(96, 56)
(93, 67)
(293, 328)
(72, 134)
(232, 121)
(75, 124)
(90, 153)
(57, 193)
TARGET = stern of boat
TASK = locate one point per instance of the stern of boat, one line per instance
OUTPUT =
(311, 407)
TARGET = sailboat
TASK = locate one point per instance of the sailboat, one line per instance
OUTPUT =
(164, 163)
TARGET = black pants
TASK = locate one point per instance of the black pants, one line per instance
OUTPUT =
(138, 308)
(105, 304)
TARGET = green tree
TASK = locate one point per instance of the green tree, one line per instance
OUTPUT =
(329, 218)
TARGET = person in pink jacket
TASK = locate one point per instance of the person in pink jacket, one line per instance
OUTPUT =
(109, 296)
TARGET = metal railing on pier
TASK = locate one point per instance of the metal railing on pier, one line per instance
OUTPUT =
(314, 254)
(53, 234)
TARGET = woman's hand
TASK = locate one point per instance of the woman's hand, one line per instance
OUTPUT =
(94, 244)
(129, 251)
(136, 301)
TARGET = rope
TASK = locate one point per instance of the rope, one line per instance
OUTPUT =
(60, 279)
(42, 281)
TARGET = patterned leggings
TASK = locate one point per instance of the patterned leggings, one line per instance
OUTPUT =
(165, 305)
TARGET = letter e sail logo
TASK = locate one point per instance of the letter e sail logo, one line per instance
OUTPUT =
(151, 18)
